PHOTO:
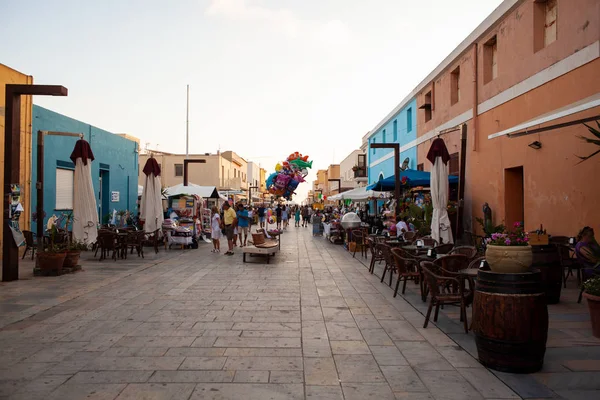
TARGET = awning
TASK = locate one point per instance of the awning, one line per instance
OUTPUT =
(207, 192)
(358, 194)
(582, 105)
(413, 178)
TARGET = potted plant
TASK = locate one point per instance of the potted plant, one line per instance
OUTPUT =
(509, 252)
(53, 256)
(73, 253)
(591, 292)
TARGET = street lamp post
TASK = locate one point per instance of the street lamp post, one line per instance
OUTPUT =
(12, 167)
(396, 148)
(250, 193)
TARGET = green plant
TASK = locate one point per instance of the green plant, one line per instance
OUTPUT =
(595, 132)
(77, 246)
(592, 286)
(518, 237)
(490, 228)
(52, 247)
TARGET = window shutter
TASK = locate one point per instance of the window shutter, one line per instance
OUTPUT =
(64, 189)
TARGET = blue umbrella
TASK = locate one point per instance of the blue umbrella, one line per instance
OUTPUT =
(413, 178)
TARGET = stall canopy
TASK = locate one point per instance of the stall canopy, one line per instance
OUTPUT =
(358, 194)
(413, 178)
(207, 192)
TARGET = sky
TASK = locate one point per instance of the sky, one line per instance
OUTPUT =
(267, 77)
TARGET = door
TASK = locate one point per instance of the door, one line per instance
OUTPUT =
(103, 195)
(514, 198)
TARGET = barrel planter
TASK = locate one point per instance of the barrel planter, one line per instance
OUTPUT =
(508, 259)
(50, 261)
(510, 321)
(72, 259)
(546, 259)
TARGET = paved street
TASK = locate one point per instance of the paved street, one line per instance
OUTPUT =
(313, 324)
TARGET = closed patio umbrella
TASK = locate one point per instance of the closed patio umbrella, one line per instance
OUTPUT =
(151, 211)
(440, 223)
(85, 213)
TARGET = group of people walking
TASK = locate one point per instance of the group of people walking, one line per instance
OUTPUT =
(235, 223)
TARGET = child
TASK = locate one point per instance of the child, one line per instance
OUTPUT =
(216, 234)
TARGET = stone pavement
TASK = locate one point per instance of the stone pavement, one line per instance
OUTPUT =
(313, 324)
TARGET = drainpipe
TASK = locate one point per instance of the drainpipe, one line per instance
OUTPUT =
(475, 98)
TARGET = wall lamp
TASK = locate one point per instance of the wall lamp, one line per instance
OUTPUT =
(535, 145)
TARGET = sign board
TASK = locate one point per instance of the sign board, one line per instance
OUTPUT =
(114, 197)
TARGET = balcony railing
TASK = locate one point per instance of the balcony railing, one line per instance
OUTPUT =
(360, 173)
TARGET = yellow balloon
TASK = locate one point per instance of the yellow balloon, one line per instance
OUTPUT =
(277, 167)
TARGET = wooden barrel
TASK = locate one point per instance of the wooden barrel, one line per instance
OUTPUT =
(547, 260)
(510, 321)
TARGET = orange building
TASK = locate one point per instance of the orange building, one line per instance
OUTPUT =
(522, 82)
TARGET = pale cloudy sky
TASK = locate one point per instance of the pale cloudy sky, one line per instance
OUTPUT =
(267, 77)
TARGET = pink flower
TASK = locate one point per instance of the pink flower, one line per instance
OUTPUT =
(517, 225)
(507, 242)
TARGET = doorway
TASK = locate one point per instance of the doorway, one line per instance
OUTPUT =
(103, 195)
(514, 198)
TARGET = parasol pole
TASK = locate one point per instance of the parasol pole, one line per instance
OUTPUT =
(187, 124)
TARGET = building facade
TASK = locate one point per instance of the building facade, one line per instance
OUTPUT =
(114, 170)
(11, 76)
(399, 126)
(521, 83)
(353, 171)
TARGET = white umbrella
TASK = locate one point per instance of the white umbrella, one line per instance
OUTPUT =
(440, 223)
(151, 211)
(85, 213)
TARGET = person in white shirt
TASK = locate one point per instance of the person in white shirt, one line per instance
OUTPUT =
(401, 228)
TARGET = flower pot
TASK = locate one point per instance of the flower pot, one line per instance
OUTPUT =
(509, 259)
(51, 261)
(72, 258)
(594, 307)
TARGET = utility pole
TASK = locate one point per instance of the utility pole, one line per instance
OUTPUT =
(187, 124)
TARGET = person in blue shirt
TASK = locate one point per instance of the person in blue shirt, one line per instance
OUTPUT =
(243, 223)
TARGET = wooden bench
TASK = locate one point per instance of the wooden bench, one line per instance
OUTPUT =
(263, 251)
(261, 246)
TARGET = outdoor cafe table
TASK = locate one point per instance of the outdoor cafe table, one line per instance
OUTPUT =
(414, 249)
(394, 243)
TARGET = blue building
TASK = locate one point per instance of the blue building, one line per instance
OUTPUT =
(400, 126)
(114, 170)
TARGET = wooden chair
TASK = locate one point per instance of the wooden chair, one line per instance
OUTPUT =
(452, 263)
(135, 241)
(406, 267)
(469, 251)
(410, 236)
(107, 242)
(154, 239)
(568, 263)
(386, 252)
(376, 255)
(443, 248)
(440, 296)
(30, 244)
(429, 241)
(358, 238)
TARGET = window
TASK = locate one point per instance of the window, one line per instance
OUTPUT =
(453, 166)
(427, 106)
(64, 189)
(395, 130)
(384, 138)
(409, 120)
(490, 60)
(455, 86)
(545, 14)
(373, 149)
(420, 167)
(178, 169)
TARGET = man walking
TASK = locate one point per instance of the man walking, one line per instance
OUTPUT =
(229, 223)
(261, 216)
(278, 216)
(243, 222)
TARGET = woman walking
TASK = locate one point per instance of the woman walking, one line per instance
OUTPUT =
(297, 217)
(216, 235)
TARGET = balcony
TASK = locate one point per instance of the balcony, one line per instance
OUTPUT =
(360, 172)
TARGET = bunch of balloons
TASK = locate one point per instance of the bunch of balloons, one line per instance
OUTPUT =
(288, 175)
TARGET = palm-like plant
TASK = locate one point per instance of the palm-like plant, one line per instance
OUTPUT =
(595, 132)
